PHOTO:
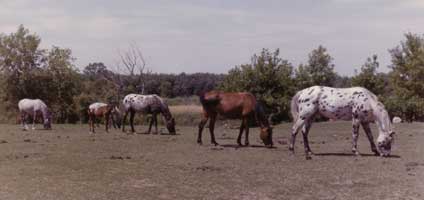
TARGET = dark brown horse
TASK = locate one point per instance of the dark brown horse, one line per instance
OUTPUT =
(240, 105)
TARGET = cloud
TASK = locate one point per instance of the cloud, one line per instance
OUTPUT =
(214, 36)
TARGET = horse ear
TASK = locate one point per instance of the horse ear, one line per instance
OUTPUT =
(392, 133)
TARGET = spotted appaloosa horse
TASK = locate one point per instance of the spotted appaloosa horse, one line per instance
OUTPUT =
(99, 110)
(240, 105)
(356, 104)
(33, 108)
(147, 104)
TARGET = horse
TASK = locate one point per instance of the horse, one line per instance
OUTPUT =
(107, 111)
(33, 108)
(239, 105)
(147, 104)
(356, 104)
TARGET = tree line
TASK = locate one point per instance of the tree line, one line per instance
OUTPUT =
(28, 71)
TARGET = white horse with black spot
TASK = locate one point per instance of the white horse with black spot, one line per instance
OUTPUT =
(357, 104)
(34, 108)
(147, 104)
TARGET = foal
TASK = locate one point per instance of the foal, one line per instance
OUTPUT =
(99, 110)
(241, 105)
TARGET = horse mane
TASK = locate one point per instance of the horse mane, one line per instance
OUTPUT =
(260, 115)
(164, 108)
(381, 113)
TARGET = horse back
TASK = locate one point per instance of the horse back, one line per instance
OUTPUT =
(227, 104)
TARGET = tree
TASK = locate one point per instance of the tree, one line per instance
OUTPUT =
(19, 55)
(318, 71)
(65, 82)
(269, 78)
(407, 77)
(369, 77)
(408, 66)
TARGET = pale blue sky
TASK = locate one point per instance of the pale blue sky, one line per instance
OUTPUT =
(216, 35)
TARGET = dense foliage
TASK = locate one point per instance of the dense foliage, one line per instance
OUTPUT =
(28, 71)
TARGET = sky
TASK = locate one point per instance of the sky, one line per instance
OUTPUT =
(216, 35)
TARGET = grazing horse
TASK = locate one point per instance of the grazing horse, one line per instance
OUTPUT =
(356, 104)
(241, 105)
(33, 108)
(98, 110)
(147, 104)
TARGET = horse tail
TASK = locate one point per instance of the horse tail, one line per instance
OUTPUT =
(294, 106)
(211, 100)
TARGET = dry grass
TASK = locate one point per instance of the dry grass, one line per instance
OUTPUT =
(67, 163)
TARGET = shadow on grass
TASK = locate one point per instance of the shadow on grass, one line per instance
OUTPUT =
(353, 155)
(251, 146)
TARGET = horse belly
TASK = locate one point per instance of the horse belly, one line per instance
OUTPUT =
(230, 113)
(336, 112)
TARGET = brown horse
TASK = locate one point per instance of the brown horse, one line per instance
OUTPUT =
(99, 110)
(240, 105)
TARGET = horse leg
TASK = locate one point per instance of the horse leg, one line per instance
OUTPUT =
(296, 126)
(156, 123)
(106, 116)
(246, 128)
(132, 114)
(150, 125)
(34, 117)
(367, 129)
(23, 122)
(355, 135)
(212, 128)
(305, 132)
(202, 124)
(90, 123)
(123, 121)
(241, 132)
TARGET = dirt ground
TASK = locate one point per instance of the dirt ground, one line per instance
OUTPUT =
(67, 163)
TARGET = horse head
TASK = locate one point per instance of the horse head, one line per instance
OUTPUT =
(266, 136)
(170, 125)
(47, 121)
(384, 143)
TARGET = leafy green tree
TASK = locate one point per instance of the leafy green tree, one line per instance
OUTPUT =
(407, 77)
(19, 55)
(318, 71)
(66, 82)
(369, 77)
(269, 78)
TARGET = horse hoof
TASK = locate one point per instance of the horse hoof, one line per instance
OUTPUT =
(215, 143)
(308, 157)
(246, 144)
(199, 142)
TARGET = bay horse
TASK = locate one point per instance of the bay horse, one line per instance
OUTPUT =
(34, 108)
(102, 110)
(238, 105)
(147, 104)
(356, 104)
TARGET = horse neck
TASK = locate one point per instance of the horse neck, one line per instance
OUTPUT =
(165, 112)
(382, 118)
(45, 113)
(261, 117)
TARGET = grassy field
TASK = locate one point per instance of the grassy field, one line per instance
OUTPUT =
(67, 163)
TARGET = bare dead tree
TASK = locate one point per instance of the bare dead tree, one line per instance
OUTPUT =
(134, 64)
(129, 72)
